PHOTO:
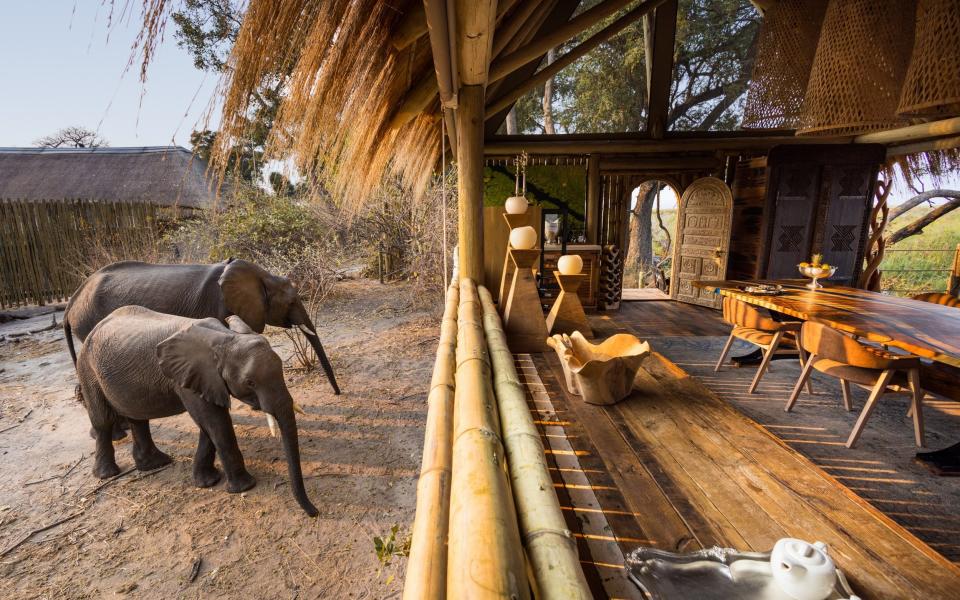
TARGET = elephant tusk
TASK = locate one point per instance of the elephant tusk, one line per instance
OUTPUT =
(298, 409)
(272, 424)
(307, 330)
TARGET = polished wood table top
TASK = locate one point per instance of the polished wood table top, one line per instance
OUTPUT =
(922, 328)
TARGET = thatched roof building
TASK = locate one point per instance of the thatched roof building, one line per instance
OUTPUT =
(159, 175)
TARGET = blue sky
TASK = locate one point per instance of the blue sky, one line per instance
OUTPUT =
(63, 65)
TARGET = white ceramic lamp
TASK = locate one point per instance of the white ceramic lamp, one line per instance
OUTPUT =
(570, 264)
(523, 238)
(516, 205)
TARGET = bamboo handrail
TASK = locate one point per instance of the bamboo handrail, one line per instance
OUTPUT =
(549, 545)
(427, 568)
(484, 557)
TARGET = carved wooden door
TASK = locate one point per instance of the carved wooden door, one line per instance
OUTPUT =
(703, 240)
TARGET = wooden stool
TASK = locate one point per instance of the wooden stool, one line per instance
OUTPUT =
(522, 315)
(566, 315)
(513, 221)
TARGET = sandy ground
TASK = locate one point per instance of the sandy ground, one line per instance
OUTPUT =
(157, 536)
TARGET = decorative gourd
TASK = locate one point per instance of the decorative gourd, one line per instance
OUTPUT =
(523, 238)
(570, 264)
(516, 205)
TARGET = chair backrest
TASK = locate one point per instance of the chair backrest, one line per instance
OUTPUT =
(737, 312)
(938, 298)
(826, 342)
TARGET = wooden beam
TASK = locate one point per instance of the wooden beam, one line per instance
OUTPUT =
(509, 29)
(530, 144)
(443, 63)
(418, 98)
(532, 51)
(593, 198)
(474, 26)
(470, 182)
(511, 96)
(947, 143)
(412, 26)
(645, 163)
(662, 36)
(922, 131)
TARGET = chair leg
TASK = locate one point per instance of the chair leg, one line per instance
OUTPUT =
(726, 350)
(875, 393)
(845, 387)
(766, 361)
(803, 361)
(917, 406)
(804, 375)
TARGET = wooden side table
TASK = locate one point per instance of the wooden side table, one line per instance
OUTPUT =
(513, 221)
(522, 315)
(567, 314)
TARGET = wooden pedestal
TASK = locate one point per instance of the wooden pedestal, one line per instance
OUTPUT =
(513, 221)
(522, 315)
(567, 314)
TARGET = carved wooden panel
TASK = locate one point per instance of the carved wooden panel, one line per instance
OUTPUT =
(844, 225)
(793, 221)
(703, 240)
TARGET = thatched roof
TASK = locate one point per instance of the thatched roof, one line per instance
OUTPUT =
(162, 175)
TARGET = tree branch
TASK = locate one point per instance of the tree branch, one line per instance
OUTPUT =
(918, 225)
(919, 199)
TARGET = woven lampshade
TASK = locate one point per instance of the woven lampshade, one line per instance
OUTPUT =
(785, 49)
(859, 67)
(932, 85)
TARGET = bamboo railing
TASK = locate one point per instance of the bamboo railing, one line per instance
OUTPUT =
(485, 559)
(549, 545)
(427, 567)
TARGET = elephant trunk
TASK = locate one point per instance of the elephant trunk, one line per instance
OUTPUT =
(287, 424)
(300, 318)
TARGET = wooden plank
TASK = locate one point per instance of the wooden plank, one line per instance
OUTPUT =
(922, 328)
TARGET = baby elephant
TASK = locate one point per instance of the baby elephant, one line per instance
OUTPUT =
(140, 365)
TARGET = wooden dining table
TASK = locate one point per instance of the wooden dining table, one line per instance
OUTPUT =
(928, 330)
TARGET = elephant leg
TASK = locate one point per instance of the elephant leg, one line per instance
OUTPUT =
(204, 473)
(215, 420)
(102, 419)
(145, 453)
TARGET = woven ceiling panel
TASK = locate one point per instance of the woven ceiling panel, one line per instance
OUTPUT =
(785, 51)
(932, 85)
(859, 67)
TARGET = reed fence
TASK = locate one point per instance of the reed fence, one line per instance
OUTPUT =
(45, 245)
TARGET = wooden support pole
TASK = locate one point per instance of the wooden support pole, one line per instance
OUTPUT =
(953, 282)
(485, 559)
(513, 61)
(934, 129)
(470, 181)
(549, 545)
(427, 568)
(443, 62)
(659, 59)
(593, 198)
(511, 96)
(412, 27)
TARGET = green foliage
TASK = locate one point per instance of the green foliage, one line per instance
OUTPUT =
(389, 546)
(920, 263)
(207, 29)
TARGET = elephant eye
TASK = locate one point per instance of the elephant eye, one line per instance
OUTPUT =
(250, 383)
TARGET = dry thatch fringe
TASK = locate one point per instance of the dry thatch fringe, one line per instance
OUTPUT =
(934, 164)
(345, 81)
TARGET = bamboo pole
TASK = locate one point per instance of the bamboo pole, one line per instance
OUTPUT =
(470, 181)
(549, 545)
(427, 567)
(942, 128)
(485, 559)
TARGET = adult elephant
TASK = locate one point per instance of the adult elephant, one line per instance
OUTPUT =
(232, 287)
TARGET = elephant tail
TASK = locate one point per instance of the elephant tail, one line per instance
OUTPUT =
(68, 333)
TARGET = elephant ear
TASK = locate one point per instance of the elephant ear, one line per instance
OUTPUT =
(244, 294)
(188, 358)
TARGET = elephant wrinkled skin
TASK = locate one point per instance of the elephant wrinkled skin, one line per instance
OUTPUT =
(141, 365)
(233, 287)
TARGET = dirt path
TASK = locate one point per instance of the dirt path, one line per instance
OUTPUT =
(145, 535)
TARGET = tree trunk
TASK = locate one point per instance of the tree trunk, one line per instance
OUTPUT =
(919, 199)
(640, 253)
(918, 225)
(548, 98)
(512, 121)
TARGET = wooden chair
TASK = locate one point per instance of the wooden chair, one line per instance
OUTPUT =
(750, 325)
(938, 298)
(839, 355)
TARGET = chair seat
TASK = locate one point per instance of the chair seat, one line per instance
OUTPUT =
(864, 376)
(760, 337)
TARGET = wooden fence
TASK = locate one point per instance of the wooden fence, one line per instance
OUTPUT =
(48, 247)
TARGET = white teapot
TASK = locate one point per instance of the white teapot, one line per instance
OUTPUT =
(803, 570)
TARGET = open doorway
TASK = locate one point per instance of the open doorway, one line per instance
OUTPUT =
(649, 241)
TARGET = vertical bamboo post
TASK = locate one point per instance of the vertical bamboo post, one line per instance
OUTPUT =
(427, 567)
(593, 198)
(549, 545)
(485, 559)
(953, 283)
(470, 181)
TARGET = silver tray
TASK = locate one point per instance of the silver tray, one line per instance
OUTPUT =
(711, 574)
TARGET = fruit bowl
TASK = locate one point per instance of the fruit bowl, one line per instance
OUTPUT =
(816, 272)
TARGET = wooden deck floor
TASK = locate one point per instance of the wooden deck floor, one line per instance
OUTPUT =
(678, 467)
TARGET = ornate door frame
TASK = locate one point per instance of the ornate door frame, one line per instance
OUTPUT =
(702, 246)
